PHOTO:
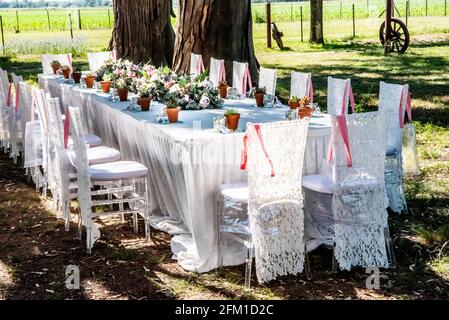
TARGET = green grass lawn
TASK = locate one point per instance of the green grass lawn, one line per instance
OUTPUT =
(419, 236)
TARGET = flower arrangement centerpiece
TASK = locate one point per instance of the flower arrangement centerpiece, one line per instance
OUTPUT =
(66, 70)
(145, 90)
(55, 65)
(232, 119)
(259, 93)
(199, 94)
(90, 78)
(107, 68)
(122, 84)
(76, 75)
(305, 108)
(293, 102)
(172, 110)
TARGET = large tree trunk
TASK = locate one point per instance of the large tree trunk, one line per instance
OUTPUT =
(221, 29)
(316, 21)
(143, 31)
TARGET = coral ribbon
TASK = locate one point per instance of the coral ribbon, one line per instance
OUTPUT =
(16, 108)
(246, 79)
(343, 128)
(222, 76)
(8, 98)
(311, 90)
(351, 98)
(66, 128)
(244, 159)
(408, 108)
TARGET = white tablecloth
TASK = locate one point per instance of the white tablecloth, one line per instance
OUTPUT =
(187, 161)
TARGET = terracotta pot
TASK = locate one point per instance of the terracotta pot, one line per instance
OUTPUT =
(106, 86)
(55, 68)
(305, 112)
(173, 114)
(90, 82)
(77, 77)
(145, 103)
(259, 99)
(293, 104)
(232, 121)
(223, 89)
(122, 94)
(66, 73)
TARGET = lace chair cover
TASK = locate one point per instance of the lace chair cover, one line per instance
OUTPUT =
(300, 84)
(15, 126)
(268, 79)
(196, 64)
(217, 71)
(390, 96)
(275, 206)
(335, 95)
(47, 59)
(359, 202)
(97, 59)
(4, 112)
(239, 71)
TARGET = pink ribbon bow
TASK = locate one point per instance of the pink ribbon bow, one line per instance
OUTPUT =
(311, 91)
(244, 159)
(246, 79)
(408, 108)
(343, 128)
(8, 98)
(222, 76)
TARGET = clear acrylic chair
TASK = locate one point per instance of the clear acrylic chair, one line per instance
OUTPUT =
(348, 201)
(129, 179)
(268, 80)
(393, 99)
(47, 59)
(266, 213)
(196, 64)
(217, 71)
(301, 84)
(97, 59)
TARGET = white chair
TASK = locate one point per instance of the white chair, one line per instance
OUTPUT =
(47, 59)
(217, 71)
(339, 94)
(266, 213)
(352, 196)
(122, 178)
(97, 59)
(393, 99)
(268, 80)
(241, 77)
(196, 64)
(301, 85)
(15, 125)
(4, 110)
(63, 161)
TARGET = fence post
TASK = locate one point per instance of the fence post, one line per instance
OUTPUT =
(445, 7)
(71, 26)
(426, 8)
(302, 29)
(353, 20)
(367, 8)
(17, 22)
(79, 19)
(406, 12)
(268, 12)
(291, 11)
(109, 17)
(3, 36)
(48, 19)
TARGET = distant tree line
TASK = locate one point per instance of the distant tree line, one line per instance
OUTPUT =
(55, 3)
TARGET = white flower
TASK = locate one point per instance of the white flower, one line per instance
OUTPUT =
(175, 88)
(204, 102)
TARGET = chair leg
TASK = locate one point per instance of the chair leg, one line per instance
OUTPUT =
(249, 263)
(334, 260)
(389, 247)
(147, 213)
(135, 222)
(80, 227)
(309, 275)
(89, 240)
(67, 215)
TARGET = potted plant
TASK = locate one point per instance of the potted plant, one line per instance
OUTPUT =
(259, 94)
(90, 79)
(232, 119)
(294, 102)
(305, 109)
(223, 89)
(144, 90)
(55, 65)
(106, 83)
(122, 88)
(66, 71)
(76, 75)
(172, 109)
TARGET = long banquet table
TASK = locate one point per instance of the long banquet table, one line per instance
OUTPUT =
(187, 161)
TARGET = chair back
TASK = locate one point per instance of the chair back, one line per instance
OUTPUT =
(47, 59)
(300, 84)
(217, 71)
(268, 80)
(97, 59)
(338, 93)
(196, 64)
(240, 71)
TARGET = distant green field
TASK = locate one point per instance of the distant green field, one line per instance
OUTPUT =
(98, 18)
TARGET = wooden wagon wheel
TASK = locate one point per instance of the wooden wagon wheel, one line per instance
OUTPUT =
(399, 38)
